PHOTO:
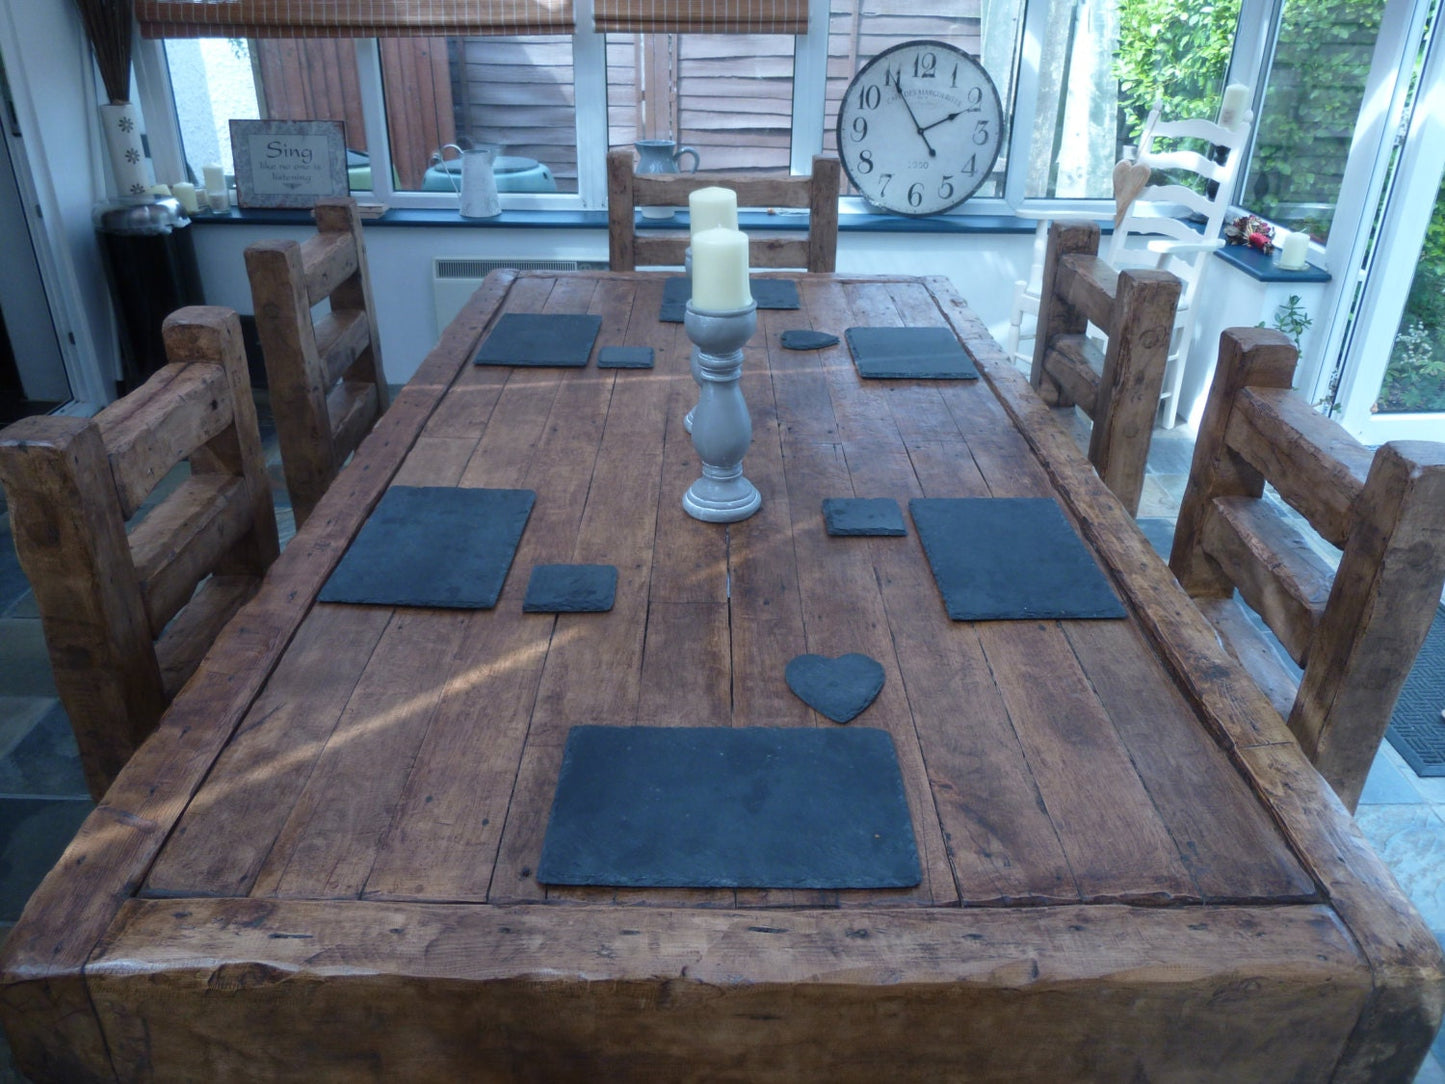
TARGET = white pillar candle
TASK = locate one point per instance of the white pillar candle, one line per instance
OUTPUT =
(1294, 251)
(709, 208)
(1236, 101)
(215, 178)
(185, 192)
(720, 270)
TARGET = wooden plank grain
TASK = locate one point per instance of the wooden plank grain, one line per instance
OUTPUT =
(570, 993)
(45, 1008)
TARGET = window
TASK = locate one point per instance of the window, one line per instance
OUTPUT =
(1307, 120)
(1076, 78)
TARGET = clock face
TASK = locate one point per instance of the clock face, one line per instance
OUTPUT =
(919, 128)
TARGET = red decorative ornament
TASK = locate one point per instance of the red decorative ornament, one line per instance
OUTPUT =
(1250, 230)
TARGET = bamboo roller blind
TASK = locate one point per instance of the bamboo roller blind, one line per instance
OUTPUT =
(350, 18)
(441, 18)
(702, 16)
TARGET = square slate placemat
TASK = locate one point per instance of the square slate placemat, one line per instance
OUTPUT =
(904, 353)
(768, 293)
(433, 546)
(997, 558)
(725, 807)
(540, 339)
(625, 357)
(570, 589)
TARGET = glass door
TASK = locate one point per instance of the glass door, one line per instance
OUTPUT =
(1392, 386)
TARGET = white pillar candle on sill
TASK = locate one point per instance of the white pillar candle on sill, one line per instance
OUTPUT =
(709, 208)
(720, 270)
(215, 179)
(185, 192)
(1294, 251)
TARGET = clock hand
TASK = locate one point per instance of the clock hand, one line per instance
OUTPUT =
(952, 116)
(898, 86)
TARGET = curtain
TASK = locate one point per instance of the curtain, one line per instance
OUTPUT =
(350, 18)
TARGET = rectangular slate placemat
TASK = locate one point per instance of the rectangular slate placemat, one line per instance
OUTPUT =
(543, 340)
(725, 807)
(909, 353)
(997, 558)
(768, 293)
(433, 546)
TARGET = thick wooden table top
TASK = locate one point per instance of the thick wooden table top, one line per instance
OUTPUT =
(323, 862)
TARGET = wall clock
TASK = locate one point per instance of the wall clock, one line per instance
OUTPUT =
(919, 128)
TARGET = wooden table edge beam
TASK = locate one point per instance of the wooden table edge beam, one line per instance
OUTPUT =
(45, 954)
(1409, 968)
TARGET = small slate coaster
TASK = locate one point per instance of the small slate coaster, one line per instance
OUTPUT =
(903, 353)
(803, 339)
(863, 516)
(768, 293)
(433, 546)
(624, 357)
(729, 807)
(997, 558)
(541, 340)
(838, 688)
(570, 589)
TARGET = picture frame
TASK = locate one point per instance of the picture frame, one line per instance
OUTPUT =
(288, 163)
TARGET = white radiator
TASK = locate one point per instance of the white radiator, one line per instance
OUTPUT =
(454, 278)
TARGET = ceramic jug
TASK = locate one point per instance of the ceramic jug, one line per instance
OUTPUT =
(661, 156)
(478, 192)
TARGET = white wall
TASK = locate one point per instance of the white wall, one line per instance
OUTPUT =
(48, 66)
(982, 266)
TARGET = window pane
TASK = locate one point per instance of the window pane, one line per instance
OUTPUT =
(515, 94)
(214, 83)
(1104, 64)
(1415, 378)
(1308, 117)
(728, 96)
(861, 29)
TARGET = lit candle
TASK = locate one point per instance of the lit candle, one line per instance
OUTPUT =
(709, 208)
(185, 192)
(1293, 252)
(215, 178)
(720, 270)
(1236, 101)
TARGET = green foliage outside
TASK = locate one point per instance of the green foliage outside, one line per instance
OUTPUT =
(1175, 53)
(1415, 378)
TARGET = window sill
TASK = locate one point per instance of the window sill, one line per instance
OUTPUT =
(1264, 268)
(511, 219)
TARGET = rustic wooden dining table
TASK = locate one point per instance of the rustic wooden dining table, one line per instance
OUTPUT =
(322, 866)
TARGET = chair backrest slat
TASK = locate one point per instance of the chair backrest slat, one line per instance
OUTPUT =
(1356, 629)
(626, 191)
(1135, 311)
(114, 606)
(306, 361)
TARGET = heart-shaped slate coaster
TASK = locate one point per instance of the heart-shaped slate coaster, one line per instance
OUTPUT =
(838, 688)
(803, 339)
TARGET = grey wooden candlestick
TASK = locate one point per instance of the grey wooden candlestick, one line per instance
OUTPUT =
(722, 430)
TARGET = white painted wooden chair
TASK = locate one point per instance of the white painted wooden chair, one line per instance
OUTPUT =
(1148, 205)
(1158, 221)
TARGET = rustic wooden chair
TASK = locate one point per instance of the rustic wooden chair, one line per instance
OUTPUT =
(1117, 387)
(327, 385)
(626, 191)
(125, 621)
(1355, 630)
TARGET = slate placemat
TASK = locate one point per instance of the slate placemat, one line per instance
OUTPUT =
(625, 357)
(570, 589)
(909, 353)
(768, 293)
(999, 558)
(863, 516)
(725, 807)
(433, 546)
(540, 339)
